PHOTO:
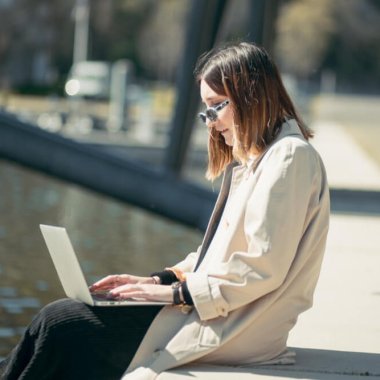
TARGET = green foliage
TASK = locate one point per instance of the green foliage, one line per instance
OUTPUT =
(117, 37)
(342, 36)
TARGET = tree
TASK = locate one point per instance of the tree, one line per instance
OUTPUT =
(162, 40)
(115, 27)
(354, 51)
(304, 30)
(341, 35)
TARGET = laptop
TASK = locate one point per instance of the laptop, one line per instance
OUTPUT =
(70, 272)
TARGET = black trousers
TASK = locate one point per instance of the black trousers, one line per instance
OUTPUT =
(70, 340)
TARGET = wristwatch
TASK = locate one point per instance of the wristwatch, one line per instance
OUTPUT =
(176, 286)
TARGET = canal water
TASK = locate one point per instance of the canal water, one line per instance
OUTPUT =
(108, 236)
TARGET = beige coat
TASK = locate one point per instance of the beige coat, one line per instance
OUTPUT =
(260, 269)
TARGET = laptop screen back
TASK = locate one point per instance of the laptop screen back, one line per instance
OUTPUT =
(66, 263)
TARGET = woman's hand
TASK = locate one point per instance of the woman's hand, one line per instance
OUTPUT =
(123, 286)
(116, 280)
(141, 291)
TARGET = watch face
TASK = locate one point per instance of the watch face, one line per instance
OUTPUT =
(176, 295)
(176, 285)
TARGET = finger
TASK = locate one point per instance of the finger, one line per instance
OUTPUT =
(123, 288)
(135, 295)
(100, 283)
(106, 283)
(127, 290)
(101, 287)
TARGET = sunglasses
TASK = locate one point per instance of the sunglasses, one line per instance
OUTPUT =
(212, 112)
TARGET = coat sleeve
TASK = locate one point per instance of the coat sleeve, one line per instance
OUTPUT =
(274, 221)
(189, 262)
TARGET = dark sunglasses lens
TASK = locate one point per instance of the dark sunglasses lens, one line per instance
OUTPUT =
(202, 116)
(211, 114)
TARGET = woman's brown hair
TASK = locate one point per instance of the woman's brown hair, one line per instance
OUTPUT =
(247, 75)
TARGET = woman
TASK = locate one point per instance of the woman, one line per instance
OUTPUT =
(237, 297)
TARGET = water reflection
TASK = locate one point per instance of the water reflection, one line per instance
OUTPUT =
(108, 236)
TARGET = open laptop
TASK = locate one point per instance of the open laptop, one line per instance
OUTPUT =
(71, 274)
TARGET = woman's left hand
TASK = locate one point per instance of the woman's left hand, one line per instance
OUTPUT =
(148, 292)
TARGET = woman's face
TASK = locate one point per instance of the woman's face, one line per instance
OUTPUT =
(224, 124)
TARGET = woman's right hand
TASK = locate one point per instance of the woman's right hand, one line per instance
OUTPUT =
(115, 280)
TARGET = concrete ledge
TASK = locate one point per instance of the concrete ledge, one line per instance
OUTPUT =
(311, 364)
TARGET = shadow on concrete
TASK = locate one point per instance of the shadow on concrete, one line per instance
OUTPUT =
(317, 364)
(347, 201)
(310, 364)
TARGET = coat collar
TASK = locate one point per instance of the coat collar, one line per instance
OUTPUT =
(288, 128)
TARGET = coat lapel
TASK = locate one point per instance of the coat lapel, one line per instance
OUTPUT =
(217, 212)
(231, 180)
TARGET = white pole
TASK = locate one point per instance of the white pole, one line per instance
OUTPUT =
(81, 15)
(120, 73)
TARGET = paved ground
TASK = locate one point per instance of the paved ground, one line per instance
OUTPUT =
(339, 338)
(348, 165)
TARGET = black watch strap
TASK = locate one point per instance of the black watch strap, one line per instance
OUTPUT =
(186, 294)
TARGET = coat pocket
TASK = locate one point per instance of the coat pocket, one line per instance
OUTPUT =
(210, 334)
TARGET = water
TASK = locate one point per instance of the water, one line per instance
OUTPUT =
(108, 236)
